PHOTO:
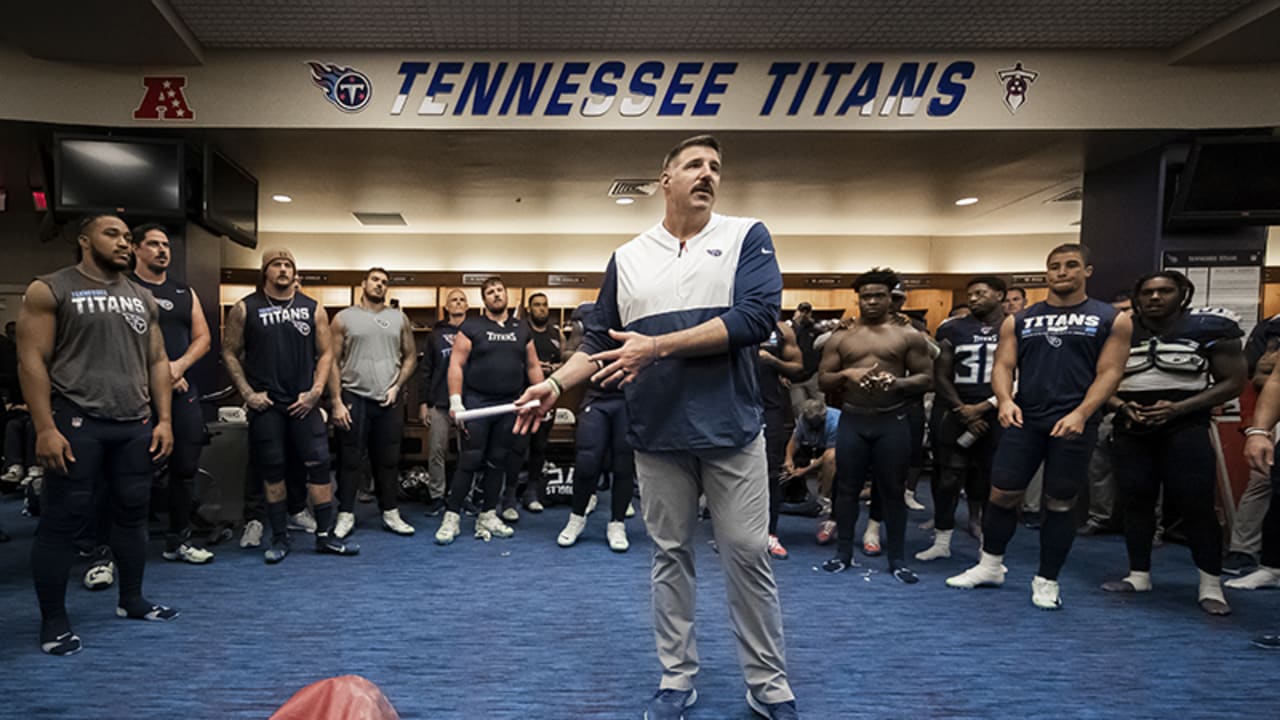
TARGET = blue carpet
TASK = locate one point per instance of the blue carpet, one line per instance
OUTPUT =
(522, 629)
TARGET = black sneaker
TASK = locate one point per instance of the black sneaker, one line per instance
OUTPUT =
(1238, 563)
(278, 551)
(1031, 521)
(905, 576)
(1266, 642)
(154, 613)
(331, 544)
(836, 565)
(434, 508)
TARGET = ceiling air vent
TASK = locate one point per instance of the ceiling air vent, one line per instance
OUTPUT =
(380, 219)
(633, 188)
(1075, 194)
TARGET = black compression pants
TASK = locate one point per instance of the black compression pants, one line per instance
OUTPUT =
(1181, 460)
(486, 446)
(880, 444)
(184, 463)
(775, 451)
(111, 455)
(601, 432)
(957, 467)
(529, 453)
(375, 437)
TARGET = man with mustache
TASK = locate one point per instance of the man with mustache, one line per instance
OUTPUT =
(680, 316)
(97, 380)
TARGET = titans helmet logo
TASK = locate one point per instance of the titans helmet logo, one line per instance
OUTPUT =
(347, 88)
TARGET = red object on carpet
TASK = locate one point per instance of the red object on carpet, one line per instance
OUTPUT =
(348, 697)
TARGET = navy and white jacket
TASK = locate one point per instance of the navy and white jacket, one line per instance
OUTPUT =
(728, 270)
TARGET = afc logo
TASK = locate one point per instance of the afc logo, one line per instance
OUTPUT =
(1016, 80)
(164, 100)
(347, 88)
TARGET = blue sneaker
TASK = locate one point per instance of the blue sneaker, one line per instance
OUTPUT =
(775, 711)
(669, 704)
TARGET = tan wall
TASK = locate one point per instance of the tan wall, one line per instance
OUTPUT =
(590, 253)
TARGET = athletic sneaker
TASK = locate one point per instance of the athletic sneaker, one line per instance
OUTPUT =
(534, 506)
(434, 507)
(906, 576)
(252, 535)
(102, 571)
(980, 575)
(67, 643)
(591, 504)
(826, 532)
(1045, 593)
(870, 546)
(936, 551)
(572, 529)
(669, 704)
(773, 711)
(1266, 642)
(912, 504)
(511, 514)
(328, 544)
(345, 525)
(154, 613)
(488, 525)
(1238, 563)
(449, 528)
(12, 475)
(392, 521)
(631, 510)
(837, 565)
(776, 551)
(617, 534)
(304, 521)
(278, 551)
(1263, 577)
(188, 553)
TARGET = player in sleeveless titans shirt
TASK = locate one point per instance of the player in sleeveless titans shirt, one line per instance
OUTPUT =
(600, 434)
(277, 351)
(374, 357)
(96, 378)
(186, 340)
(493, 360)
(779, 357)
(1068, 353)
(964, 428)
(1182, 363)
(433, 393)
(530, 451)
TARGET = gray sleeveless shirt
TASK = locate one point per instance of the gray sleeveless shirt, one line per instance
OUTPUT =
(102, 344)
(370, 353)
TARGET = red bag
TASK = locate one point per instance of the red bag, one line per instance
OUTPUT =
(349, 697)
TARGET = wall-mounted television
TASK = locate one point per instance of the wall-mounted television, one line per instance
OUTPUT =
(131, 176)
(1229, 181)
(230, 199)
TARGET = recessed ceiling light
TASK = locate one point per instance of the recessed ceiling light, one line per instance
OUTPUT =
(625, 200)
(282, 198)
(967, 201)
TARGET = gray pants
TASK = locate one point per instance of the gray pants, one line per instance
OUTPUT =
(1246, 527)
(807, 390)
(1102, 482)
(736, 484)
(438, 450)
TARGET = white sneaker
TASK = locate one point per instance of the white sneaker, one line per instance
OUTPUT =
(100, 576)
(934, 552)
(304, 521)
(346, 523)
(631, 510)
(450, 526)
(188, 553)
(979, 575)
(392, 521)
(1263, 577)
(1045, 593)
(535, 507)
(912, 503)
(12, 475)
(511, 515)
(252, 536)
(591, 504)
(617, 534)
(488, 525)
(572, 529)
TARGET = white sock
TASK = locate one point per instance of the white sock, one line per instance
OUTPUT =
(1141, 581)
(872, 532)
(991, 562)
(1211, 587)
(942, 538)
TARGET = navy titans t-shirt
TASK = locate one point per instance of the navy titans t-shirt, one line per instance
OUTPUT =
(1058, 349)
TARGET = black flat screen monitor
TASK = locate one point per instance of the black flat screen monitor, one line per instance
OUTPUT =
(132, 176)
(1230, 181)
(230, 199)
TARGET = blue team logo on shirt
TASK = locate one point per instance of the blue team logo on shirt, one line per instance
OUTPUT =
(347, 88)
(713, 252)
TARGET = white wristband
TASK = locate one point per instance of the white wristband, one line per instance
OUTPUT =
(993, 401)
(455, 404)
